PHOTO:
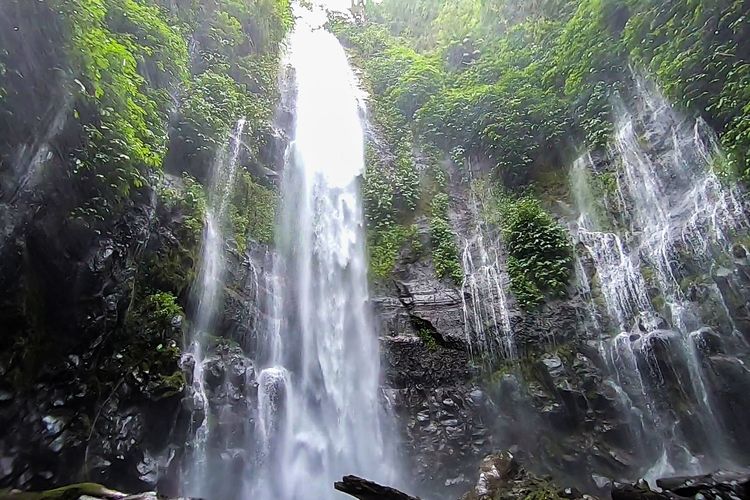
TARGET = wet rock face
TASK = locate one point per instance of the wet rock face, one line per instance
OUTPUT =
(415, 300)
(429, 381)
(71, 290)
(452, 413)
(231, 393)
(554, 323)
(566, 417)
(89, 386)
(247, 296)
(439, 410)
(73, 395)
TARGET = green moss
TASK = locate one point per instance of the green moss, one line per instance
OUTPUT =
(544, 492)
(171, 385)
(391, 187)
(384, 247)
(604, 185)
(70, 492)
(445, 256)
(649, 275)
(254, 209)
(154, 328)
(171, 266)
(658, 302)
(427, 337)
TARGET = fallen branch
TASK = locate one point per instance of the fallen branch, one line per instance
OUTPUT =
(368, 490)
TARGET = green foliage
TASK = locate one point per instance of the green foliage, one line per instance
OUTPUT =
(155, 326)
(254, 210)
(539, 252)
(390, 190)
(170, 267)
(213, 104)
(700, 54)
(235, 76)
(418, 78)
(108, 41)
(384, 246)
(517, 77)
(192, 204)
(157, 314)
(428, 338)
(511, 121)
(591, 64)
(125, 59)
(444, 251)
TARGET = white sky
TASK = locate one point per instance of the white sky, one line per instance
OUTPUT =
(335, 4)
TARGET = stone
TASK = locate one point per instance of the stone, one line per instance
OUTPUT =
(502, 477)
(601, 482)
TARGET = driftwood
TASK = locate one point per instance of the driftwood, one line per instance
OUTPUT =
(368, 490)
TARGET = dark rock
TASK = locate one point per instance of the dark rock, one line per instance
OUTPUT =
(635, 492)
(441, 412)
(722, 484)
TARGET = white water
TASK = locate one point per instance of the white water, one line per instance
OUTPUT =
(677, 214)
(28, 166)
(618, 274)
(319, 409)
(208, 300)
(485, 302)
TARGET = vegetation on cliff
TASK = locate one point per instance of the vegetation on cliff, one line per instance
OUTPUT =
(519, 86)
(111, 115)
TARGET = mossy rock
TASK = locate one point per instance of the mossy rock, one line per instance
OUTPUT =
(70, 492)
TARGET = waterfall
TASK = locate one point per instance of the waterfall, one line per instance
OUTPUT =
(483, 291)
(621, 283)
(677, 225)
(207, 294)
(319, 414)
(27, 167)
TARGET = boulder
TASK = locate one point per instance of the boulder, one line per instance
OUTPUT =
(501, 477)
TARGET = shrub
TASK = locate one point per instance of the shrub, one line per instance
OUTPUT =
(539, 251)
(444, 251)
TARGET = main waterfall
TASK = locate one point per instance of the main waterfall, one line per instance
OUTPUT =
(318, 395)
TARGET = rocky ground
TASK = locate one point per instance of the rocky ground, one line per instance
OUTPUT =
(500, 477)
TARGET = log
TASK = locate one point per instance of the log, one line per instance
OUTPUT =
(368, 490)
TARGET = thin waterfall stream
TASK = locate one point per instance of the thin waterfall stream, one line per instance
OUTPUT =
(485, 300)
(208, 296)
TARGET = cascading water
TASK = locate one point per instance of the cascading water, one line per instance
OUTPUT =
(485, 302)
(208, 298)
(319, 409)
(28, 166)
(678, 227)
(620, 280)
